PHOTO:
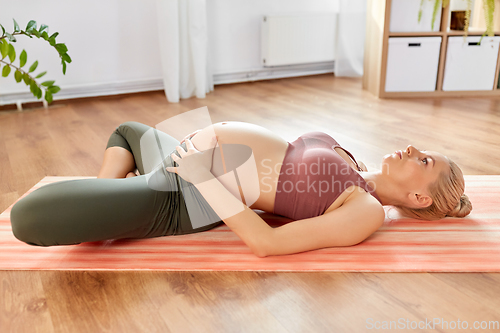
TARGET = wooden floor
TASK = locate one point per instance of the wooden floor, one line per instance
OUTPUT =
(69, 139)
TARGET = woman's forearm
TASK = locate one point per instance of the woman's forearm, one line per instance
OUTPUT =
(253, 230)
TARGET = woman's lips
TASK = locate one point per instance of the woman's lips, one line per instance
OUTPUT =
(399, 154)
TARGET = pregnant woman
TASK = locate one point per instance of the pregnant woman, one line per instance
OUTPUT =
(193, 185)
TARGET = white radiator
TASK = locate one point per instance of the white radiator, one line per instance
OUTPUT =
(298, 39)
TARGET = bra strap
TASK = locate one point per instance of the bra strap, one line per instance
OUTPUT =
(350, 155)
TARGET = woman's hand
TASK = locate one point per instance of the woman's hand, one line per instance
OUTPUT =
(193, 165)
(189, 136)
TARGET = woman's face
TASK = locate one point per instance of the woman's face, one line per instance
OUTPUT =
(413, 170)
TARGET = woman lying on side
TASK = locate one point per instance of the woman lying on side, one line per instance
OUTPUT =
(194, 185)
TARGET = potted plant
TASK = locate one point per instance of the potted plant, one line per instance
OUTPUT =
(488, 6)
(8, 57)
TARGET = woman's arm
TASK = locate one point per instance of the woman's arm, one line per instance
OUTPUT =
(348, 225)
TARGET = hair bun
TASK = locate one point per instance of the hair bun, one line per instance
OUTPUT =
(463, 207)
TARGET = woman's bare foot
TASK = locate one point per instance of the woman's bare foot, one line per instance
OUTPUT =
(130, 174)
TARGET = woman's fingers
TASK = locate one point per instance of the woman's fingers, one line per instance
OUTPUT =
(189, 144)
(175, 157)
(180, 150)
(171, 169)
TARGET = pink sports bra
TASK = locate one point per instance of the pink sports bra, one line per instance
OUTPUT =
(313, 176)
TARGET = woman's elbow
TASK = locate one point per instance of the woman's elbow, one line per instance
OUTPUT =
(260, 253)
(261, 249)
(258, 249)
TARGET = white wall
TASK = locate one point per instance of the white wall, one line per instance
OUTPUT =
(114, 43)
(234, 28)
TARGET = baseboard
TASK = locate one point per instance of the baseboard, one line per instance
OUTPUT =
(116, 88)
(94, 90)
(277, 72)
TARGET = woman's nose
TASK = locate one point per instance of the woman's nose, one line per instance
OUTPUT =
(409, 149)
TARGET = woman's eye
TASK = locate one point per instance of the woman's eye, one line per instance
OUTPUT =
(425, 160)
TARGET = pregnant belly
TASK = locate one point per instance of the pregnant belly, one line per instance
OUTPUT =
(247, 161)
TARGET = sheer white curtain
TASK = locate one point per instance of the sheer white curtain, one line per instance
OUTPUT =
(182, 28)
(350, 38)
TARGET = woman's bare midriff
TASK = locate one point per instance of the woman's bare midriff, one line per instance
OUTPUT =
(268, 151)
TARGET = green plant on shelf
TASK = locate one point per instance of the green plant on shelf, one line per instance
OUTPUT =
(488, 6)
(8, 56)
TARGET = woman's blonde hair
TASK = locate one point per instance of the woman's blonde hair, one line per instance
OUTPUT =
(448, 198)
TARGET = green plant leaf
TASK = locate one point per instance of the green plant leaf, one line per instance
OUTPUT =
(66, 58)
(48, 97)
(18, 76)
(61, 48)
(52, 41)
(23, 58)
(420, 11)
(31, 25)
(434, 13)
(33, 87)
(45, 35)
(40, 75)
(64, 67)
(12, 53)
(38, 92)
(54, 89)
(3, 30)
(6, 71)
(4, 48)
(16, 26)
(36, 33)
(43, 27)
(33, 67)
(48, 83)
(26, 79)
(54, 35)
(10, 37)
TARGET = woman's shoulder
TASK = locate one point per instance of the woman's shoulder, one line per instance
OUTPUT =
(359, 198)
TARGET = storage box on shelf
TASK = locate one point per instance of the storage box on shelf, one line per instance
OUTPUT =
(441, 66)
(412, 63)
(470, 65)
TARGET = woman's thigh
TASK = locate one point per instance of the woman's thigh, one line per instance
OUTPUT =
(87, 210)
(75, 211)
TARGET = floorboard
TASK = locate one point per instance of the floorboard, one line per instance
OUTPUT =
(69, 139)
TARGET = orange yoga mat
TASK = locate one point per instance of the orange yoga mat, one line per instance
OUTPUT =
(471, 244)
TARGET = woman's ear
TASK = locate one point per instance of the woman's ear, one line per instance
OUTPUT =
(420, 200)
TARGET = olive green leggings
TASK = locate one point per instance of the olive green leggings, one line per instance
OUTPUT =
(156, 203)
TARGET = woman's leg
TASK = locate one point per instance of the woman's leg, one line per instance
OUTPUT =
(75, 211)
(142, 147)
(71, 212)
(118, 162)
(119, 159)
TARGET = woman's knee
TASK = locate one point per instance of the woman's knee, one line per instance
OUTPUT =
(25, 220)
(136, 127)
